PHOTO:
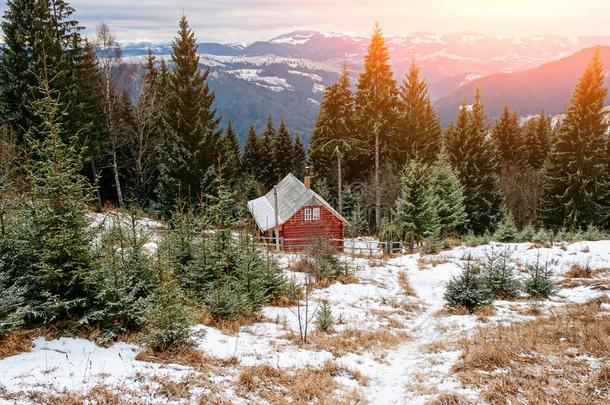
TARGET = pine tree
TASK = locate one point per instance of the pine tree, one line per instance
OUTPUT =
(469, 290)
(499, 273)
(57, 276)
(190, 114)
(415, 210)
(324, 317)
(299, 157)
(577, 187)
(507, 231)
(40, 37)
(168, 320)
(537, 141)
(252, 153)
(335, 129)
(124, 279)
(449, 197)
(230, 156)
(506, 135)
(282, 152)
(471, 155)
(266, 172)
(418, 131)
(376, 101)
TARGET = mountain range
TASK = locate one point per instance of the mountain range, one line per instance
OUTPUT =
(286, 76)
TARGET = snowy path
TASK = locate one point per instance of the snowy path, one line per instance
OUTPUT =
(390, 380)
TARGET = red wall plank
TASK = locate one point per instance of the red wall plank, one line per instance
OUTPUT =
(297, 232)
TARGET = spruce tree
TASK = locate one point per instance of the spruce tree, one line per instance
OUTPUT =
(57, 277)
(335, 130)
(190, 114)
(375, 111)
(418, 131)
(576, 189)
(299, 157)
(415, 207)
(40, 37)
(506, 135)
(230, 156)
(282, 152)
(471, 155)
(266, 166)
(537, 141)
(251, 160)
(448, 196)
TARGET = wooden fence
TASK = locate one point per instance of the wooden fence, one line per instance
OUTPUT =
(352, 246)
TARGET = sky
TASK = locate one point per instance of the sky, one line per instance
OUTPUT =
(251, 20)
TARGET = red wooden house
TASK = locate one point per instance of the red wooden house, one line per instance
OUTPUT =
(293, 215)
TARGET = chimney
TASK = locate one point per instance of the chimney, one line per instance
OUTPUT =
(307, 179)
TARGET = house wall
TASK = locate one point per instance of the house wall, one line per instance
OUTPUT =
(298, 233)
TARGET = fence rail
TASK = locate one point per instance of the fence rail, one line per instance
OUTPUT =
(354, 246)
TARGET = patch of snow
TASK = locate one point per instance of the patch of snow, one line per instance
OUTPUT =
(276, 84)
(312, 76)
(318, 88)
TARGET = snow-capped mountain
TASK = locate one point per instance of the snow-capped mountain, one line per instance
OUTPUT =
(286, 75)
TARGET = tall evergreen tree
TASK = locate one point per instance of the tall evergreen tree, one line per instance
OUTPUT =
(41, 37)
(282, 151)
(266, 172)
(252, 153)
(415, 206)
(537, 141)
(577, 187)
(471, 155)
(376, 101)
(506, 135)
(448, 197)
(418, 131)
(335, 130)
(230, 156)
(57, 215)
(299, 157)
(190, 115)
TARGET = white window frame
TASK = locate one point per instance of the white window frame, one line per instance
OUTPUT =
(307, 214)
(316, 214)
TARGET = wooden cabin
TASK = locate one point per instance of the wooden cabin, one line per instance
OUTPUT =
(292, 215)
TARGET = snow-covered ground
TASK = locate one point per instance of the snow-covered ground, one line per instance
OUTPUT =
(374, 302)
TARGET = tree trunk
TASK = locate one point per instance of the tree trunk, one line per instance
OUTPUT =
(117, 180)
(377, 185)
(339, 185)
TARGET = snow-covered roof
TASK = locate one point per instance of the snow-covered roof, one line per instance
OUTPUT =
(292, 195)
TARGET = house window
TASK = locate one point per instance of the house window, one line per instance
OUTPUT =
(307, 214)
(316, 214)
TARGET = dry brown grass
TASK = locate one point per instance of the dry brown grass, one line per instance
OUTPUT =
(578, 271)
(541, 359)
(181, 354)
(227, 327)
(403, 280)
(431, 261)
(455, 311)
(450, 398)
(353, 340)
(296, 385)
(16, 342)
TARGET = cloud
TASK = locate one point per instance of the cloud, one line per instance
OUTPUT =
(249, 20)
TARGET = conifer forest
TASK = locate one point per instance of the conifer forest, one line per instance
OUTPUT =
(126, 230)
